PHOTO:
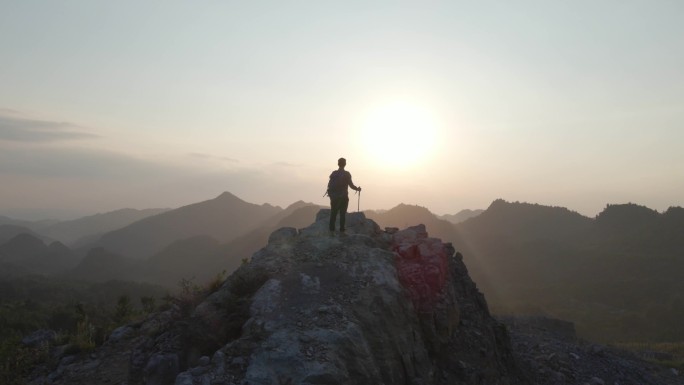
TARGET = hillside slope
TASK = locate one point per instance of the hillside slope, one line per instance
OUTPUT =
(28, 254)
(223, 218)
(618, 277)
(198, 258)
(69, 232)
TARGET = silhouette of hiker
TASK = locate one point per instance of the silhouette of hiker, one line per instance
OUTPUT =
(338, 193)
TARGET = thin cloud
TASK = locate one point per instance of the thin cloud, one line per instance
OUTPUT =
(8, 111)
(39, 131)
(286, 164)
(210, 156)
(79, 163)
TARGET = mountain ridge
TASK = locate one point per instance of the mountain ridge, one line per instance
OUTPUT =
(70, 232)
(461, 215)
(7, 232)
(199, 258)
(26, 252)
(211, 217)
(525, 257)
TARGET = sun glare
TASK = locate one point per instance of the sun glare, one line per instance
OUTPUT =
(400, 134)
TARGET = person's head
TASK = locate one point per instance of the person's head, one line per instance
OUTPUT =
(342, 162)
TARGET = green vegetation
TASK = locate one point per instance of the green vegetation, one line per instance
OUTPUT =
(192, 294)
(83, 315)
(148, 304)
(124, 310)
(215, 283)
(83, 339)
(16, 360)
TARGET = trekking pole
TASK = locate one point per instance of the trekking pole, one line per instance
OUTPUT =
(358, 201)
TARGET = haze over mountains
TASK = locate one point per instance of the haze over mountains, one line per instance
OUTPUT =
(70, 232)
(73, 232)
(197, 241)
(26, 253)
(461, 215)
(611, 274)
(223, 218)
(617, 276)
(8, 232)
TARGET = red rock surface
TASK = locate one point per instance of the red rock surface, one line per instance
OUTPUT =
(421, 264)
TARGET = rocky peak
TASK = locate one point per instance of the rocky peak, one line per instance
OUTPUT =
(22, 246)
(369, 307)
(626, 216)
(26, 241)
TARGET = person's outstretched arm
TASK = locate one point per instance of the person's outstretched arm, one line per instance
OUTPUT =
(351, 184)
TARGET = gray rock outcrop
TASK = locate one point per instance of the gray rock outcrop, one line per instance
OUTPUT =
(369, 307)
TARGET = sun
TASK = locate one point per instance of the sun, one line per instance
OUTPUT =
(400, 134)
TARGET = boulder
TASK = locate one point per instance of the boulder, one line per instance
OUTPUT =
(39, 337)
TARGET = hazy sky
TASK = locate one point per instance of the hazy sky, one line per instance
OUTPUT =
(449, 105)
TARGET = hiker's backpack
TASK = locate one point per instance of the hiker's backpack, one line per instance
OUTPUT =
(337, 185)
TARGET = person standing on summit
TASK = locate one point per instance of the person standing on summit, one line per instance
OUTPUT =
(340, 179)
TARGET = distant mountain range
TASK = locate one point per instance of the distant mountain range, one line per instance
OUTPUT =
(197, 241)
(28, 253)
(223, 218)
(404, 215)
(199, 258)
(33, 225)
(78, 231)
(461, 215)
(7, 232)
(617, 276)
(70, 232)
(612, 274)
